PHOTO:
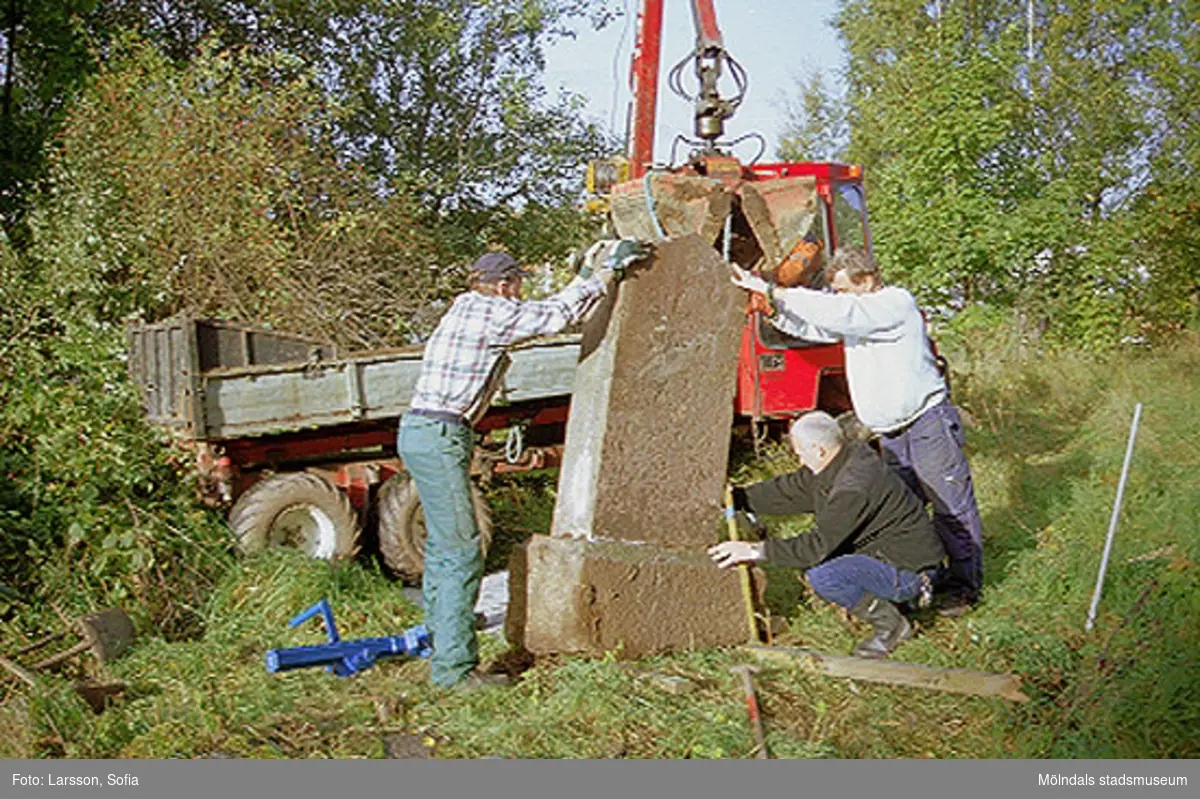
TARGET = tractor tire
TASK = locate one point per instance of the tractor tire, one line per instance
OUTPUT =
(299, 510)
(402, 531)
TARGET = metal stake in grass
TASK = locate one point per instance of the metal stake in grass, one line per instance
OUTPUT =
(1112, 525)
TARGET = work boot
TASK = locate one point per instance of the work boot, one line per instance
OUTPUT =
(889, 628)
(955, 604)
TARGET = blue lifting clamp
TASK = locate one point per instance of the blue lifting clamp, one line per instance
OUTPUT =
(345, 658)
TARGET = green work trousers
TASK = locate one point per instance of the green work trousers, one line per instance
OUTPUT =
(437, 456)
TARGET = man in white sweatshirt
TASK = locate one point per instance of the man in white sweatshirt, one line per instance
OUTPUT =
(898, 392)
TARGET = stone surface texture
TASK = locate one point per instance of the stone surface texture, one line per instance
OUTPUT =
(647, 440)
(643, 471)
(780, 212)
(570, 595)
(683, 204)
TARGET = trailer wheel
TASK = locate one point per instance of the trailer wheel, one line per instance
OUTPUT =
(402, 531)
(300, 510)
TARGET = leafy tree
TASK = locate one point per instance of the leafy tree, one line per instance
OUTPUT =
(43, 60)
(215, 190)
(448, 103)
(816, 128)
(450, 109)
(1026, 176)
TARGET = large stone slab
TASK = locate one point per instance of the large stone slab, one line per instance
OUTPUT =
(647, 441)
(643, 470)
(592, 597)
(682, 204)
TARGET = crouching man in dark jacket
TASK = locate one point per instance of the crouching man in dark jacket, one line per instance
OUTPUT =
(873, 544)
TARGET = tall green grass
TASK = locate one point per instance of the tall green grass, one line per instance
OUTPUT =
(1046, 438)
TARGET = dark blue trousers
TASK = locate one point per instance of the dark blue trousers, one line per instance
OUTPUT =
(928, 455)
(844, 580)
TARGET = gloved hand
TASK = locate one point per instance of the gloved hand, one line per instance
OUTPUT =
(744, 278)
(624, 253)
(730, 553)
(614, 256)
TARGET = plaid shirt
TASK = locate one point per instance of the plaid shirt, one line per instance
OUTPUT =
(474, 333)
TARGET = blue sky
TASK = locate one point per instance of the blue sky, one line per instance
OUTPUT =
(776, 41)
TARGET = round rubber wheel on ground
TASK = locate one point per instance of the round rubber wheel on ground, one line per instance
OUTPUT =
(299, 510)
(402, 531)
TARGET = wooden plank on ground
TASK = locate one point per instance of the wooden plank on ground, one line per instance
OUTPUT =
(891, 672)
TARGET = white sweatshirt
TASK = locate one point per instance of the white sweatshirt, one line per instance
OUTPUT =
(890, 369)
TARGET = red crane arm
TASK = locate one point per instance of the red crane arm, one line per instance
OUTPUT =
(644, 78)
(708, 35)
(644, 75)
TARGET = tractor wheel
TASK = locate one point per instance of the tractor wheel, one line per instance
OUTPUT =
(402, 531)
(300, 510)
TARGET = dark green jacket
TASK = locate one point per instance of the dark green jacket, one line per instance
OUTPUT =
(861, 507)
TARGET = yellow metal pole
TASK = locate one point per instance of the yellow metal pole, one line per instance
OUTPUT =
(743, 568)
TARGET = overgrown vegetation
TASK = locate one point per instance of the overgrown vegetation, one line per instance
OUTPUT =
(1048, 165)
(443, 99)
(1046, 474)
(213, 186)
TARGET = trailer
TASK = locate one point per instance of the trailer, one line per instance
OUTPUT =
(300, 441)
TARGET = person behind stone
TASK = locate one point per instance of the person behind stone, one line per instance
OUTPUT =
(463, 364)
(873, 544)
(899, 393)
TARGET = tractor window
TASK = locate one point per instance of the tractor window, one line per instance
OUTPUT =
(849, 215)
(804, 263)
(804, 267)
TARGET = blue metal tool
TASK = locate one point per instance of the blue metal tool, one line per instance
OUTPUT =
(344, 658)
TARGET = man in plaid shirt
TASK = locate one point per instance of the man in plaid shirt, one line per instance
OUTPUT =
(463, 364)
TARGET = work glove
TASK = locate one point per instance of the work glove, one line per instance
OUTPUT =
(614, 256)
(730, 553)
(744, 278)
(625, 253)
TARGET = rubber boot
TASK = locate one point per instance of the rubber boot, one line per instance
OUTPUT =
(889, 628)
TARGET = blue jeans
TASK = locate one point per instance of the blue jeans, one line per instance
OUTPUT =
(437, 456)
(846, 579)
(928, 456)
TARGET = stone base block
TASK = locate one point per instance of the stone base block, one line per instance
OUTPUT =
(572, 595)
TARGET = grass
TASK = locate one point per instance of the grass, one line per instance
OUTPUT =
(1047, 438)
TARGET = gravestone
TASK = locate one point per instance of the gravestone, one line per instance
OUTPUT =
(643, 472)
